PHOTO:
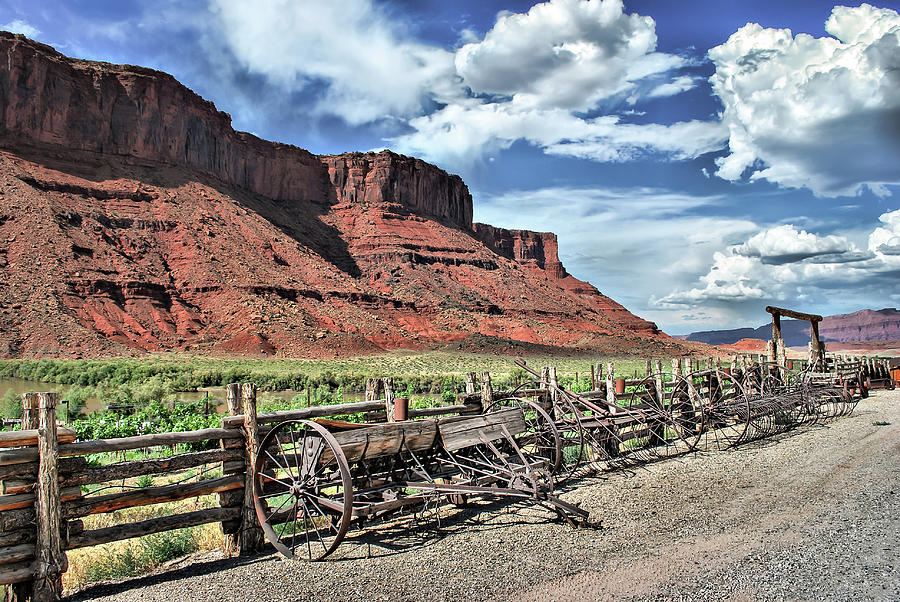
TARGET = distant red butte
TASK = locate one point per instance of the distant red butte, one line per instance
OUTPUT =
(134, 219)
(747, 345)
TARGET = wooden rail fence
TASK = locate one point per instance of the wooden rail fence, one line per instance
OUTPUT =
(44, 471)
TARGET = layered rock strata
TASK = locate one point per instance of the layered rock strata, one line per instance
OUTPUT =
(134, 218)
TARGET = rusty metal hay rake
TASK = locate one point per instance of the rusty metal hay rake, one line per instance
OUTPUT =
(751, 405)
(314, 479)
(645, 424)
(709, 409)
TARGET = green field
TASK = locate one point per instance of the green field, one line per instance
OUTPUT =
(427, 372)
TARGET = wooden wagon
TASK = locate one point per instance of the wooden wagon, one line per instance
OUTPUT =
(313, 479)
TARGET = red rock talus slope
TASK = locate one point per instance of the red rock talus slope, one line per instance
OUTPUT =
(133, 218)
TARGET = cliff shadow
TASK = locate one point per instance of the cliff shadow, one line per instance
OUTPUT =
(299, 220)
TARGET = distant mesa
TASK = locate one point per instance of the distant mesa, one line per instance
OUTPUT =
(863, 325)
(134, 219)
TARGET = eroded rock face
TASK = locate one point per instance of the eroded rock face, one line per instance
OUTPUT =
(524, 246)
(864, 325)
(134, 218)
(387, 177)
(49, 99)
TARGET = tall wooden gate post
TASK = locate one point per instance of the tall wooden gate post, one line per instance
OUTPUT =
(251, 536)
(50, 560)
(230, 499)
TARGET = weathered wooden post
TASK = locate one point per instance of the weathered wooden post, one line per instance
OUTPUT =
(388, 384)
(611, 387)
(554, 383)
(471, 383)
(251, 536)
(593, 378)
(371, 389)
(660, 390)
(230, 499)
(30, 415)
(487, 392)
(50, 560)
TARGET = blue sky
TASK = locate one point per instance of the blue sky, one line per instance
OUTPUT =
(698, 160)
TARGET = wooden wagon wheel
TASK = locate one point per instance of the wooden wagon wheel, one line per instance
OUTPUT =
(541, 438)
(302, 490)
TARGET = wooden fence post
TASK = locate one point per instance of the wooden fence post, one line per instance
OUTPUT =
(230, 499)
(553, 382)
(660, 387)
(251, 537)
(29, 411)
(611, 386)
(388, 383)
(50, 560)
(487, 392)
(471, 381)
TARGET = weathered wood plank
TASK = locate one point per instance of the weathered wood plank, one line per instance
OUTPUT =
(384, 439)
(98, 446)
(152, 525)
(148, 495)
(16, 573)
(11, 554)
(30, 437)
(19, 536)
(307, 413)
(134, 468)
(464, 431)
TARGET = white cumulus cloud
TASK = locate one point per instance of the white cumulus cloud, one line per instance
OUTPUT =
(535, 74)
(786, 264)
(543, 76)
(786, 244)
(564, 54)
(820, 113)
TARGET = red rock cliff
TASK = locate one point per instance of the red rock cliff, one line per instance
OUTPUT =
(524, 246)
(385, 177)
(115, 110)
(134, 218)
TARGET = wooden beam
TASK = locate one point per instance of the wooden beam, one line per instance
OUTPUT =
(149, 495)
(153, 525)
(29, 437)
(134, 468)
(790, 313)
(307, 413)
(251, 538)
(83, 448)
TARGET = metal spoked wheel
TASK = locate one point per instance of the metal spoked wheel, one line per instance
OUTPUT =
(302, 490)
(726, 409)
(541, 438)
(571, 433)
(684, 414)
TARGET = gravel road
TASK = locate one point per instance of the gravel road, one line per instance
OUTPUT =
(812, 515)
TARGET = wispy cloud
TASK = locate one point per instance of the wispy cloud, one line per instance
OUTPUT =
(20, 26)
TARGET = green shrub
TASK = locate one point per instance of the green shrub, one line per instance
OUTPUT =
(10, 405)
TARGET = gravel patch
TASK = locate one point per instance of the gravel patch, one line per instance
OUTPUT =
(811, 515)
